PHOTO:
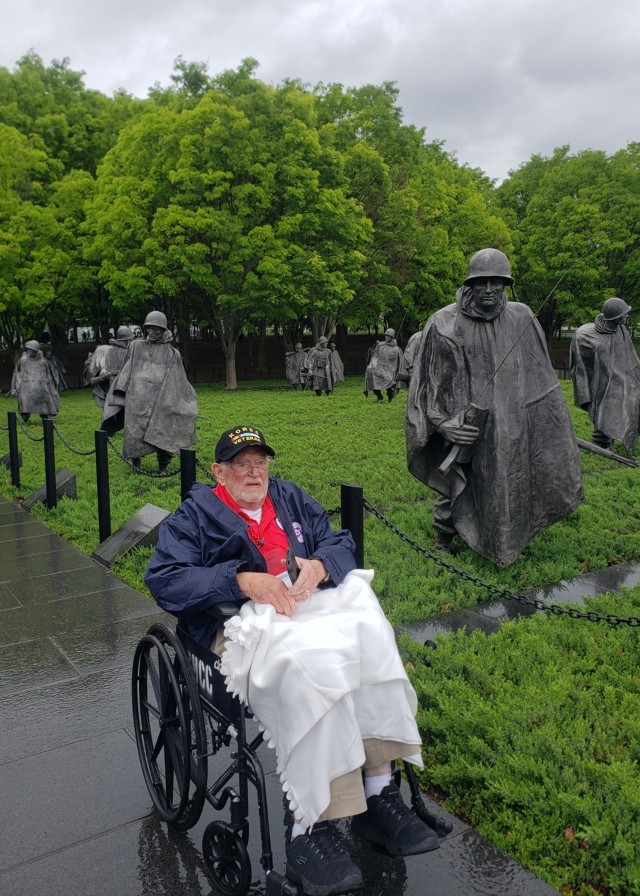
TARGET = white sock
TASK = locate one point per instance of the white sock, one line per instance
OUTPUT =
(297, 829)
(374, 784)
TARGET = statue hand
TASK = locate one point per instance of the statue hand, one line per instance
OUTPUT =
(458, 433)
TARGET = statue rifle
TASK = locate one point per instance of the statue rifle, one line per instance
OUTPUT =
(605, 452)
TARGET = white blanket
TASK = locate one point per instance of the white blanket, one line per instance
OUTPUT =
(319, 683)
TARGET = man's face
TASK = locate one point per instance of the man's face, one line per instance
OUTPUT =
(487, 291)
(154, 334)
(32, 352)
(245, 477)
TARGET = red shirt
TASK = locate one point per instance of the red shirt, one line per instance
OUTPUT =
(267, 535)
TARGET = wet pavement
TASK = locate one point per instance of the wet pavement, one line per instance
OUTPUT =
(489, 615)
(76, 815)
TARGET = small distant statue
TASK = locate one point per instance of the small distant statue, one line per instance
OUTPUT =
(410, 352)
(605, 370)
(35, 384)
(319, 368)
(295, 364)
(59, 370)
(105, 363)
(85, 368)
(153, 398)
(385, 364)
(487, 425)
(336, 364)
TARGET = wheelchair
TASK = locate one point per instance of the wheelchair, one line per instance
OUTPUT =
(176, 683)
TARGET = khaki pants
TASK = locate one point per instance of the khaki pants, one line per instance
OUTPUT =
(347, 791)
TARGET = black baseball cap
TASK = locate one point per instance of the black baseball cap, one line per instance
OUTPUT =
(238, 437)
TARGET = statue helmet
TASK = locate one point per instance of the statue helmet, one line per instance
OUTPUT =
(614, 308)
(124, 333)
(156, 319)
(323, 340)
(390, 332)
(489, 263)
(33, 344)
(298, 346)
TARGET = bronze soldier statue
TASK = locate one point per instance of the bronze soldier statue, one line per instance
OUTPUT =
(605, 370)
(487, 425)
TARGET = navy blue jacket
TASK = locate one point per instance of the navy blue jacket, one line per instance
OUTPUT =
(204, 544)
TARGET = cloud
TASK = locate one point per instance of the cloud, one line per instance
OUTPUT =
(497, 82)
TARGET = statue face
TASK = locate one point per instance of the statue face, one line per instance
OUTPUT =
(487, 291)
(154, 334)
(32, 352)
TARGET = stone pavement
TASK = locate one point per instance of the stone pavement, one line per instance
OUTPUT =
(76, 815)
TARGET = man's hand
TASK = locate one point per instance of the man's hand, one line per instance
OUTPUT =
(312, 572)
(266, 589)
(457, 432)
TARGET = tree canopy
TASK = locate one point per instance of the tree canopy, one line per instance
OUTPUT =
(232, 203)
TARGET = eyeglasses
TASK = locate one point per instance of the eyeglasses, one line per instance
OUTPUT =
(246, 466)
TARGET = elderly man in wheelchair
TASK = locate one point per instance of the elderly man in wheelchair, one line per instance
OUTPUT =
(309, 650)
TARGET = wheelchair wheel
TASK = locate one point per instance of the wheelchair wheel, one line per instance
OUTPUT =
(226, 859)
(169, 728)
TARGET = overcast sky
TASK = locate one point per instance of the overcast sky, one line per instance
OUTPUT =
(496, 80)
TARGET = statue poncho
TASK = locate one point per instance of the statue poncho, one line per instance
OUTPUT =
(104, 365)
(320, 368)
(384, 366)
(524, 473)
(294, 364)
(35, 383)
(160, 407)
(605, 369)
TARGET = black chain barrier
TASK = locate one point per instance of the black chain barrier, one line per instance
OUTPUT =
(590, 616)
(207, 472)
(20, 423)
(149, 473)
(70, 447)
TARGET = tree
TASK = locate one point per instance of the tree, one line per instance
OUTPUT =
(28, 238)
(428, 213)
(51, 106)
(232, 210)
(576, 232)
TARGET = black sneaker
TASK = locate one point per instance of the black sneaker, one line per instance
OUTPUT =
(390, 823)
(318, 862)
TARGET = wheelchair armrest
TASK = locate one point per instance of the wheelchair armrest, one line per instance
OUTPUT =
(225, 609)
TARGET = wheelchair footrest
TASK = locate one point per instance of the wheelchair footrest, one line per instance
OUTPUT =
(278, 885)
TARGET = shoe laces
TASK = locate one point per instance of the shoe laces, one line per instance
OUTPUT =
(325, 841)
(392, 804)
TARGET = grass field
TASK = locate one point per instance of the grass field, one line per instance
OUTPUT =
(534, 733)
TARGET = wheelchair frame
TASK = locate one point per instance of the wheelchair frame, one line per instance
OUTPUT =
(176, 682)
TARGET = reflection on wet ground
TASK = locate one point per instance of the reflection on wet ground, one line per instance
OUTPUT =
(77, 817)
(488, 616)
